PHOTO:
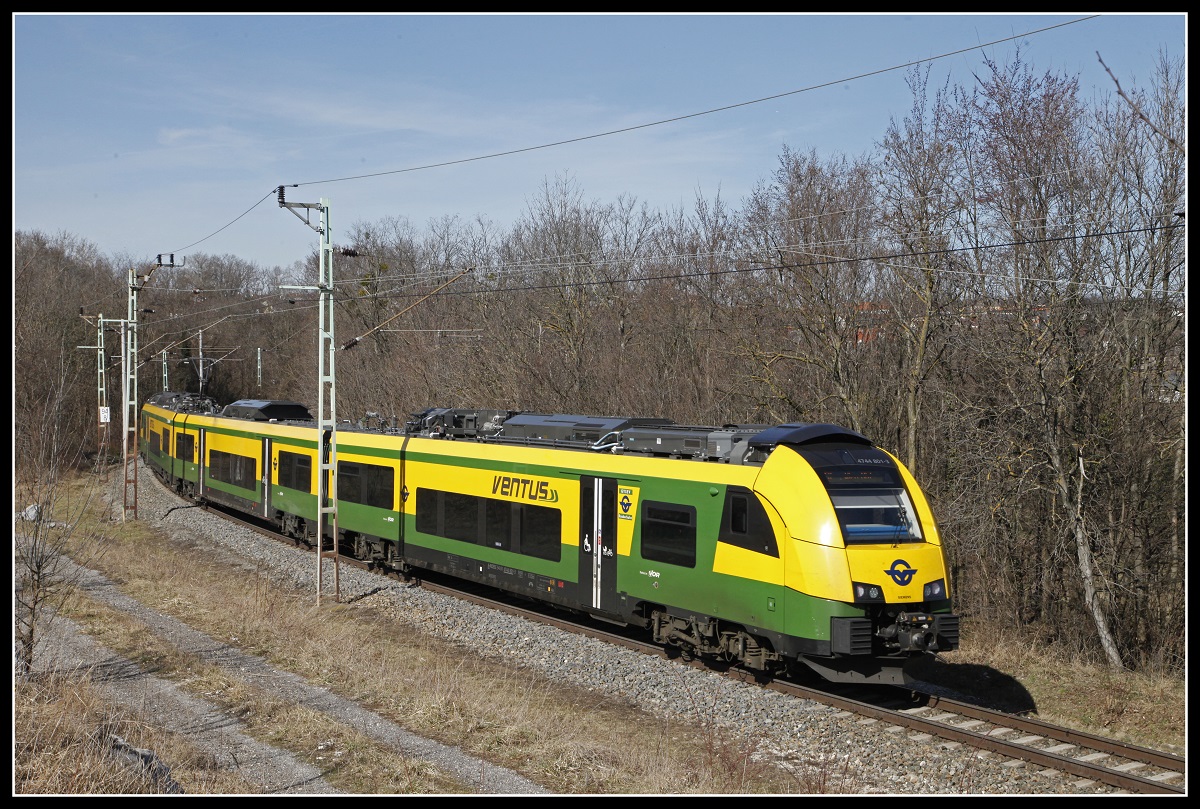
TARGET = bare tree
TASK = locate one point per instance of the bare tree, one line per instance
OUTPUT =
(1136, 105)
(559, 245)
(1034, 156)
(49, 452)
(918, 215)
(1137, 191)
(811, 229)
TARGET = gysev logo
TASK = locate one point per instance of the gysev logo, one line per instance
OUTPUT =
(901, 573)
(524, 488)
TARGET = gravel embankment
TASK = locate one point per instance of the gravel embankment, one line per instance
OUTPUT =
(879, 761)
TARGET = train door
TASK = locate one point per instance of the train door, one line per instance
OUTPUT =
(397, 551)
(266, 478)
(598, 542)
(168, 456)
(202, 464)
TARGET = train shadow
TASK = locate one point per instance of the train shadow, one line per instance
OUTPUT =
(974, 684)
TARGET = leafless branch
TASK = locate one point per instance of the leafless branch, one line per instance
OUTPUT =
(1138, 110)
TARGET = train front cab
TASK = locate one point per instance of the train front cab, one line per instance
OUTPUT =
(866, 583)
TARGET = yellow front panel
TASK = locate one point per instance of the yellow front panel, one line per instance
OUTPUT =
(911, 568)
(818, 570)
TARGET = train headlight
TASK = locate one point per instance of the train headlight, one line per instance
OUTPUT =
(935, 591)
(867, 593)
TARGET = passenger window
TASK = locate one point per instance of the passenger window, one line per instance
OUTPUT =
(669, 533)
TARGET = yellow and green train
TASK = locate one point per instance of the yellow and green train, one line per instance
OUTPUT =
(781, 548)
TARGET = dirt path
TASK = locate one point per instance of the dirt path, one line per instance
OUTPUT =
(276, 770)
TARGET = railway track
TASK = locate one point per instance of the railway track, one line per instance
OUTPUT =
(925, 717)
(1020, 740)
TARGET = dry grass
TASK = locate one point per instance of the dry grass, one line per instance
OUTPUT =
(567, 739)
(1016, 671)
(348, 759)
(563, 738)
(62, 729)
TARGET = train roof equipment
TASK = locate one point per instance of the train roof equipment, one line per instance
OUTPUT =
(737, 444)
(798, 433)
(185, 402)
(267, 410)
(657, 437)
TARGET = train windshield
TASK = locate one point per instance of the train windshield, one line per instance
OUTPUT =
(868, 494)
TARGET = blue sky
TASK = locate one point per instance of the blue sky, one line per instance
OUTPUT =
(148, 134)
